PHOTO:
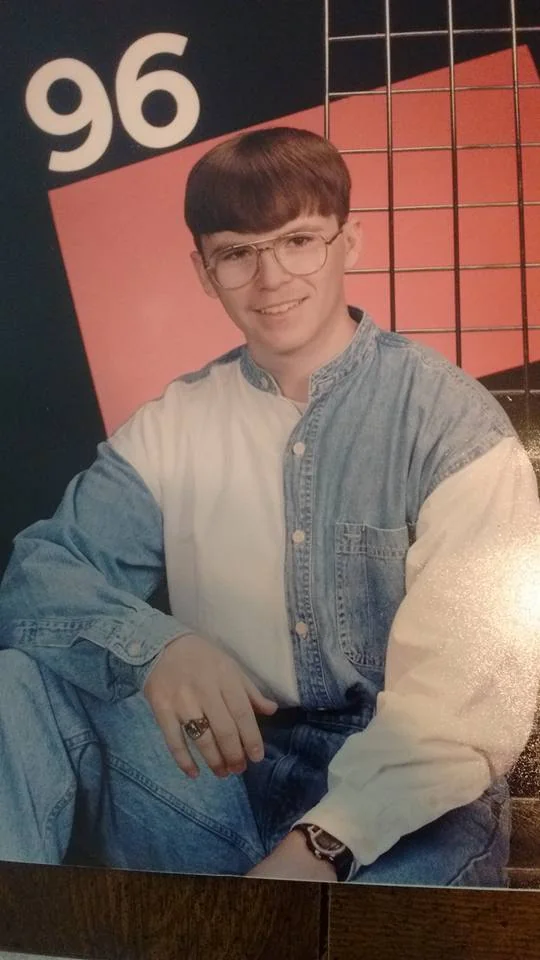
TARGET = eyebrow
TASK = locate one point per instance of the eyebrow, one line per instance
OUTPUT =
(304, 226)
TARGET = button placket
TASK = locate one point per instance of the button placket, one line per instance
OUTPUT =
(299, 467)
(298, 537)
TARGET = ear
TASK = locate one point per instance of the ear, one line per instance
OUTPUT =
(204, 277)
(352, 233)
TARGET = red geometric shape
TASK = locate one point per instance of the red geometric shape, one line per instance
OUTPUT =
(144, 319)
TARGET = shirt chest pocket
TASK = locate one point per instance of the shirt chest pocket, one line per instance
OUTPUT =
(370, 585)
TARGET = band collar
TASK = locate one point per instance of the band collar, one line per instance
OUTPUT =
(325, 377)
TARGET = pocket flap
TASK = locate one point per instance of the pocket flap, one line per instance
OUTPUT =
(361, 538)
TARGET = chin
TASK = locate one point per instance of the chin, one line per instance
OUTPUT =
(287, 345)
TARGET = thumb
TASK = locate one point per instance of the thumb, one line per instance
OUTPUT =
(259, 702)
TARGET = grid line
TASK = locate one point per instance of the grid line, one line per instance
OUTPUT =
(472, 205)
(509, 328)
(459, 88)
(390, 169)
(509, 37)
(327, 94)
(443, 146)
(460, 32)
(447, 269)
(521, 211)
(455, 183)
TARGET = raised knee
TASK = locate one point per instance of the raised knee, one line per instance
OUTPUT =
(16, 668)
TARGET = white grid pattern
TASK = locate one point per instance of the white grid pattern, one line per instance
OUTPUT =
(512, 32)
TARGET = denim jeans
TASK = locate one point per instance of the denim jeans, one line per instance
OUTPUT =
(93, 781)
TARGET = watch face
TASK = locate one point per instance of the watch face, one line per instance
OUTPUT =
(327, 843)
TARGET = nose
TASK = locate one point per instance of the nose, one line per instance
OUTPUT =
(270, 273)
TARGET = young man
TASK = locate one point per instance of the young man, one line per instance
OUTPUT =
(349, 530)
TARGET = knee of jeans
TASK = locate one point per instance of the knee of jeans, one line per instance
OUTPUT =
(16, 668)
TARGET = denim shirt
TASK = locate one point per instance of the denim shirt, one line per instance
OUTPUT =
(387, 421)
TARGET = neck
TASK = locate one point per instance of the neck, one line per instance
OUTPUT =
(292, 371)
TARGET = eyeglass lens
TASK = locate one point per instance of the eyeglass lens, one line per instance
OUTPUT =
(299, 254)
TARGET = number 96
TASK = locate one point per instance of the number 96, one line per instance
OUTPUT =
(95, 112)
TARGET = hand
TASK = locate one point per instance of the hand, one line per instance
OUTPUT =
(292, 860)
(192, 678)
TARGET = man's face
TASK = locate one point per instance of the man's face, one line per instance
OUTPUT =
(279, 313)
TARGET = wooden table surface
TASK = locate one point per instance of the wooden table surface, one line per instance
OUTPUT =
(114, 915)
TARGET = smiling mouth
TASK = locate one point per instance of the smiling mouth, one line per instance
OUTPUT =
(279, 309)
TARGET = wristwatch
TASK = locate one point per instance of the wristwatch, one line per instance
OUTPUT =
(325, 847)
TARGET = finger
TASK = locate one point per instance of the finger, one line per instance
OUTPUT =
(239, 706)
(261, 704)
(226, 734)
(175, 740)
(207, 747)
(206, 743)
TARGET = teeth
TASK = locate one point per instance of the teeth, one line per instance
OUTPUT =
(280, 308)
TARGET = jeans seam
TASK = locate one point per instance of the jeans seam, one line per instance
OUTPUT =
(485, 852)
(230, 836)
(267, 819)
(57, 809)
(275, 775)
(81, 739)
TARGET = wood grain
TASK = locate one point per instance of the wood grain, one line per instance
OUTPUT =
(115, 915)
(526, 878)
(381, 923)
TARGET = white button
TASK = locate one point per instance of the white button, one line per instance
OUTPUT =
(299, 449)
(298, 536)
(134, 648)
(301, 628)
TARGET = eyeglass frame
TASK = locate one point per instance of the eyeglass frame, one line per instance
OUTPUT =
(270, 245)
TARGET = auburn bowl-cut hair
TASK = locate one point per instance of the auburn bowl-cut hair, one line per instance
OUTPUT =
(261, 180)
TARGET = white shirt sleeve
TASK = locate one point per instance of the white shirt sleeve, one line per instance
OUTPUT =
(463, 662)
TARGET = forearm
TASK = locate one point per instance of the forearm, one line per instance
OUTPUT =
(415, 787)
(108, 658)
(291, 860)
(75, 593)
(462, 669)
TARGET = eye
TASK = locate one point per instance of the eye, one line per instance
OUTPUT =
(300, 241)
(235, 255)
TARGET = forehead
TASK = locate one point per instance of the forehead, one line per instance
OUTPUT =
(312, 223)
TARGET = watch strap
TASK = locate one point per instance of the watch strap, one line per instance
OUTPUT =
(341, 858)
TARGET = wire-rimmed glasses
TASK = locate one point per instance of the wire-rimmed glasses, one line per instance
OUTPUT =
(300, 254)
